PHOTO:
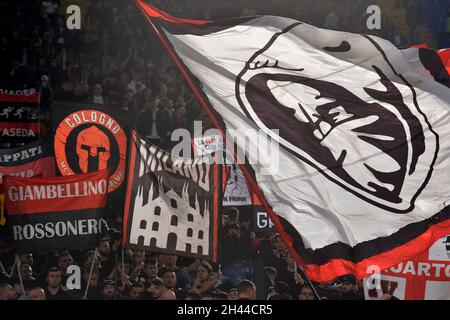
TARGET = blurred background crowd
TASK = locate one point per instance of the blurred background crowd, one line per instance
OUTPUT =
(116, 60)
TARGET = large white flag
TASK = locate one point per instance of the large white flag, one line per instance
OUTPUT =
(363, 172)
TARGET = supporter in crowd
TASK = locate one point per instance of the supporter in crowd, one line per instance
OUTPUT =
(201, 278)
(150, 271)
(64, 260)
(107, 292)
(236, 255)
(97, 96)
(271, 273)
(233, 294)
(347, 289)
(94, 291)
(183, 279)
(7, 292)
(306, 293)
(155, 289)
(327, 290)
(36, 293)
(281, 291)
(136, 290)
(167, 295)
(170, 279)
(54, 290)
(27, 275)
(247, 290)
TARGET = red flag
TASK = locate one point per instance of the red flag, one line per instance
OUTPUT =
(50, 214)
(424, 277)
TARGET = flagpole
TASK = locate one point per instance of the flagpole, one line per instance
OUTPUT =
(90, 274)
(115, 274)
(316, 294)
(123, 269)
(257, 263)
(253, 186)
(18, 264)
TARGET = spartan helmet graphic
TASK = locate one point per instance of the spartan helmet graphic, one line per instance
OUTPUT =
(93, 149)
(357, 123)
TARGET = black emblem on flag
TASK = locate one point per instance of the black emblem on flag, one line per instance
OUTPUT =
(371, 147)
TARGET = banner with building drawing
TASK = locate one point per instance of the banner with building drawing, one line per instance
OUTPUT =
(172, 205)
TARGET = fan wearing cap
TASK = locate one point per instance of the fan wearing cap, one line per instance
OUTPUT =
(347, 288)
(107, 292)
(7, 292)
(233, 294)
(155, 289)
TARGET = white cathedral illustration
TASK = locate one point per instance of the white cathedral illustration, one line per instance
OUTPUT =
(170, 215)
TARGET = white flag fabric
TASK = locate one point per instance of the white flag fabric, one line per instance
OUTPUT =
(363, 174)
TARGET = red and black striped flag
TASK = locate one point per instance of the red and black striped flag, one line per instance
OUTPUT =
(19, 115)
(27, 161)
(31, 160)
(50, 214)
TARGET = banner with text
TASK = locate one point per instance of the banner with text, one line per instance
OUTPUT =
(91, 137)
(62, 213)
(19, 115)
(427, 277)
(31, 160)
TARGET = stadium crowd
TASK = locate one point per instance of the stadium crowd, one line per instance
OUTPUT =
(109, 273)
(115, 60)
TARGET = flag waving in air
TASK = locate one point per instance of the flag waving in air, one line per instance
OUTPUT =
(51, 214)
(172, 204)
(364, 173)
